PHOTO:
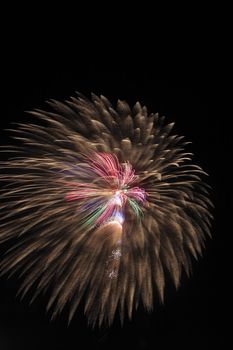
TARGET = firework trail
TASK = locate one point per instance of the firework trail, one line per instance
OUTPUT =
(101, 204)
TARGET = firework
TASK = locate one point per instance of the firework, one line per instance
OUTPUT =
(100, 204)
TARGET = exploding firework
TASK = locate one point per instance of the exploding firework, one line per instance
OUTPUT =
(100, 204)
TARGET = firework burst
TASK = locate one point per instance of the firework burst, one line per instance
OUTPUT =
(101, 203)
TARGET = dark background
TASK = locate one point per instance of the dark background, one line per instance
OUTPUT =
(191, 318)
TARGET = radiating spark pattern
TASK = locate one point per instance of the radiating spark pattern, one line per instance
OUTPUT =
(100, 204)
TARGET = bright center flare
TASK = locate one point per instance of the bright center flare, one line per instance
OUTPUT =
(109, 187)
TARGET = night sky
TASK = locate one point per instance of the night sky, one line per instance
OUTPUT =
(191, 317)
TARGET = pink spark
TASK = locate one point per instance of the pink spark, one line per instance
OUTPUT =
(108, 187)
